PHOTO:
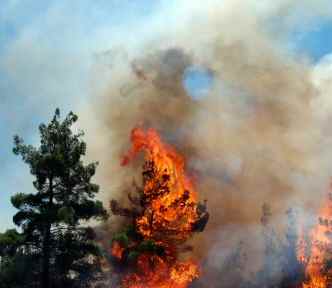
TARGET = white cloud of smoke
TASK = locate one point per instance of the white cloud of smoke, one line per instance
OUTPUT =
(261, 133)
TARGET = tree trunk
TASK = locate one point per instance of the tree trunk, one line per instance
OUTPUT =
(45, 281)
(46, 257)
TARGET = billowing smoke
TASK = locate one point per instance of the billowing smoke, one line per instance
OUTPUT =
(259, 135)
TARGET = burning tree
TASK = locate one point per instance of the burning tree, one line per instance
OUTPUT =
(164, 215)
(318, 259)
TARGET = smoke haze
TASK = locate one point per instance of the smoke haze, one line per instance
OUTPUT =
(259, 135)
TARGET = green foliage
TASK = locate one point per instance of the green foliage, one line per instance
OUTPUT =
(10, 241)
(51, 218)
(15, 265)
(132, 256)
(66, 214)
(129, 237)
(122, 238)
(149, 246)
(19, 271)
(131, 231)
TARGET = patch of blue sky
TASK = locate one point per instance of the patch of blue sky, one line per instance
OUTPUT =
(197, 82)
(15, 178)
(15, 15)
(57, 21)
(315, 42)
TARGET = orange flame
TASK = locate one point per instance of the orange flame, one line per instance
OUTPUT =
(170, 199)
(317, 273)
(117, 250)
(154, 272)
(170, 215)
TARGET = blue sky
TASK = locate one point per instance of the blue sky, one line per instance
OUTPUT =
(46, 50)
(315, 42)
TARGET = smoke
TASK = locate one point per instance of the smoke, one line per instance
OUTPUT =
(260, 135)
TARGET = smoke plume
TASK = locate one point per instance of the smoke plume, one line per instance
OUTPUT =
(259, 135)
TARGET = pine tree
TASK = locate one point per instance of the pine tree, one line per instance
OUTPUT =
(51, 219)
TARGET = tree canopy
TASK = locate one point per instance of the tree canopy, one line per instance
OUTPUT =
(54, 219)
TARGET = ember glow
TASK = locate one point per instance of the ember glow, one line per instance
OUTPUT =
(167, 216)
(318, 271)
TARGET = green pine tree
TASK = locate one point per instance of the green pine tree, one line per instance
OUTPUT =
(51, 218)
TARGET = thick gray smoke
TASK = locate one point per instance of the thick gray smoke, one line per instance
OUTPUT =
(260, 135)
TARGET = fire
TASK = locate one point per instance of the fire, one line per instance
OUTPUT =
(153, 271)
(168, 215)
(117, 250)
(318, 271)
(169, 198)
